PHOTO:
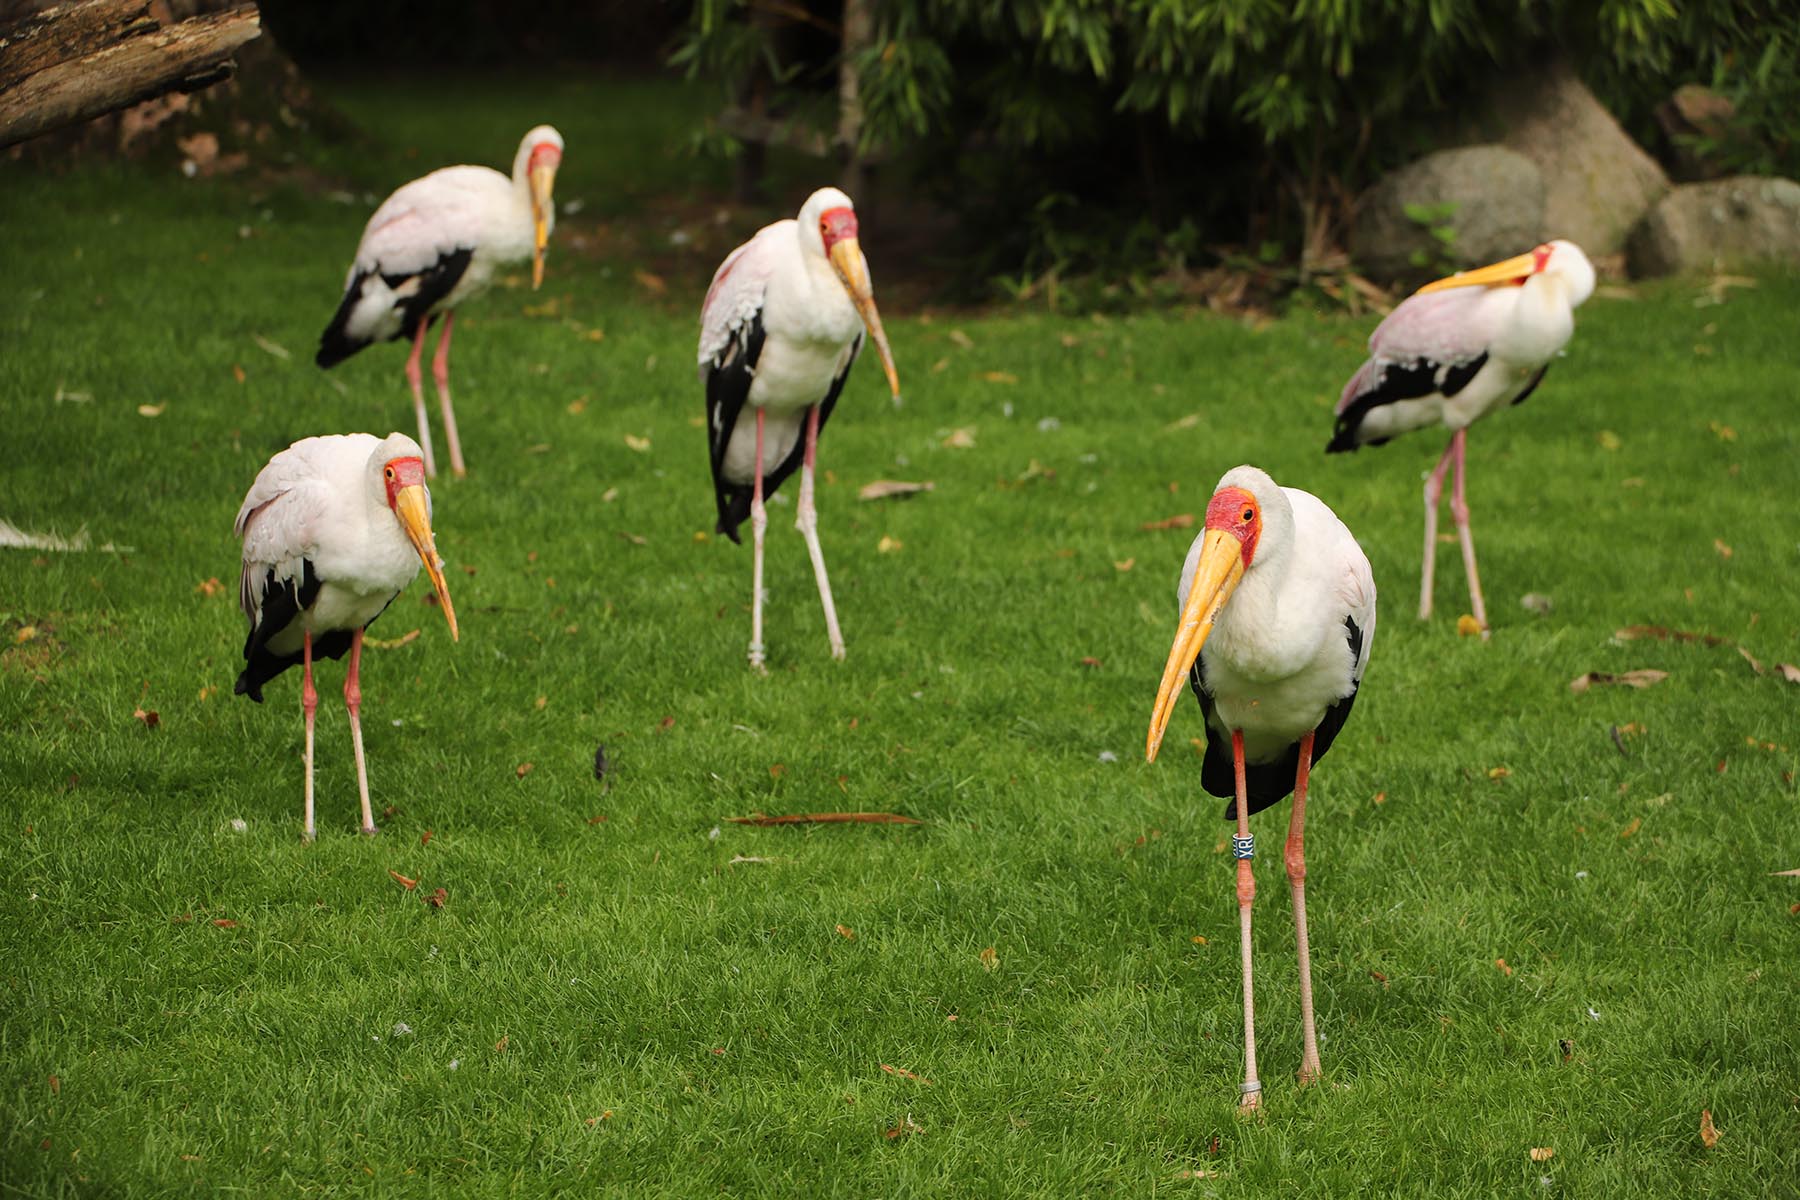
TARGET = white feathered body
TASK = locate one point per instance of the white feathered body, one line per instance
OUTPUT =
(321, 500)
(1278, 655)
(810, 331)
(456, 208)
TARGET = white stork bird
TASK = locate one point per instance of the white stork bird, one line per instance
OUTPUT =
(1277, 617)
(782, 324)
(333, 528)
(432, 245)
(1454, 351)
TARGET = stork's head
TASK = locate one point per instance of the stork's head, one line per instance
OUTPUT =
(828, 228)
(540, 153)
(1559, 263)
(1249, 523)
(398, 467)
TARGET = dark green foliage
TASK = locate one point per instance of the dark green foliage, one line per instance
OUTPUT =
(1220, 119)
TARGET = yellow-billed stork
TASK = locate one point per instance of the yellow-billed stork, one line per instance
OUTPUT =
(433, 244)
(781, 326)
(1454, 351)
(1277, 617)
(333, 529)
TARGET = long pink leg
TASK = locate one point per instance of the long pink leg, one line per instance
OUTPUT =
(1244, 849)
(1459, 509)
(416, 381)
(1296, 873)
(440, 373)
(808, 525)
(353, 702)
(309, 701)
(1434, 488)
(759, 521)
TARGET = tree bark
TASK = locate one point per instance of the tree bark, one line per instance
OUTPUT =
(74, 61)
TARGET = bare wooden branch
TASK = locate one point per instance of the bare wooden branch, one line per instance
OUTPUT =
(79, 60)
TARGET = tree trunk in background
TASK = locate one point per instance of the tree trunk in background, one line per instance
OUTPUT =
(262, 112)
(859, 29)
(67, 63)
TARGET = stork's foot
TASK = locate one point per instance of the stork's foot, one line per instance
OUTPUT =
(370, 830)
(758, 658)
(1309, 1074)
(306, 837)
(837, 650)
(1251, 1100)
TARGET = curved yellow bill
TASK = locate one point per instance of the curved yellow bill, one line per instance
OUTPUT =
(853, 269)
(414, 511)
(543, 179)
(1510, 271)
(1216, 576)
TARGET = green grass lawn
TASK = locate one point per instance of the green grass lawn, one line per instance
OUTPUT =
(625, 993)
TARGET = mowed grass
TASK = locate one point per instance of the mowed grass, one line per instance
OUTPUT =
(626, 993)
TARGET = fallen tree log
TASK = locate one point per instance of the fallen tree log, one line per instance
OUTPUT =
(74, 61)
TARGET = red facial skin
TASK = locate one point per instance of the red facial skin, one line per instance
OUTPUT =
(1235, 511)
(402, 472)
(836, 224)
(1540, 258)
(544, 154)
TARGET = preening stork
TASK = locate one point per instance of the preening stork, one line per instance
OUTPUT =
(431, 246)
(1454, 351)
(1277, 617)
(333, 528)
(780, 329)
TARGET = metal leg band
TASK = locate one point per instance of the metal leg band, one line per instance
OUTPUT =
(1243, 847)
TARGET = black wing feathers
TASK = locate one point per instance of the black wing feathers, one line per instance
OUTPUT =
(435, 282)
(727, 388)
(1265, 783)
(283, 602)
(1400, 381)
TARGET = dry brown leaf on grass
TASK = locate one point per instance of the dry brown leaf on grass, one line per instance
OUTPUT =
(1500, 965)
(830, 818)
(1636, 824)
(225, 923)
(209, 587)
(888, 545)
(845, 932)
(410, 635)
(903, 1073)
(1499, 772)
(1124, 565)
(151, 718)
(523, 769)
(1196, 1173)
(438, 898)
(640, 444)
(1467, 626)
(883, 489)
(1709, 1133)
(1662, 633)
(1542, 1154)
(1721, 548)
(960, 439)
(905, 1128)
(501, 1044)
(403, 881)
(151, 410)
(55, 1086)
(961, 339)
(1751, 659)
(998, 377)
(652, 283)
(1788, 671)
(1178, 521)
(990, 959)
(1638, 679)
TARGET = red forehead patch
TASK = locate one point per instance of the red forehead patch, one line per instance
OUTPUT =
(545, 154)
(400, 473)
(836, 224)
(1540, 258)
(1235, 511)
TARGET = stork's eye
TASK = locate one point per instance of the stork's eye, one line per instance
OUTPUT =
(389, 472)
(1249, 515)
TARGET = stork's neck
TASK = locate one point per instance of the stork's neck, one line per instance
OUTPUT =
(1542, 321)
(813, 301)
(1268, 629)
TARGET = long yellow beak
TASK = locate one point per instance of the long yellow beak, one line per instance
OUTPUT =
(1510, 271)
(414, 512)
(853, 269)
(543, 179)
(1216, 576)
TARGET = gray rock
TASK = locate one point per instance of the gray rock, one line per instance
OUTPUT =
(1728, 224)
(1491, 197)
(1599, 183)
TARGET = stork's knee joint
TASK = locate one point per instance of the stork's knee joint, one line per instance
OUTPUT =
(1296, 864)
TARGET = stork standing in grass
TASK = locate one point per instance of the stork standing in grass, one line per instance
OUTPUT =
(333, 529)
(1277, 617)
(1453, 352)
(780, 329)
(431, 246)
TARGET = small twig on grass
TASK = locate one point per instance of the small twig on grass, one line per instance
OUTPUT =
(834, 818)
